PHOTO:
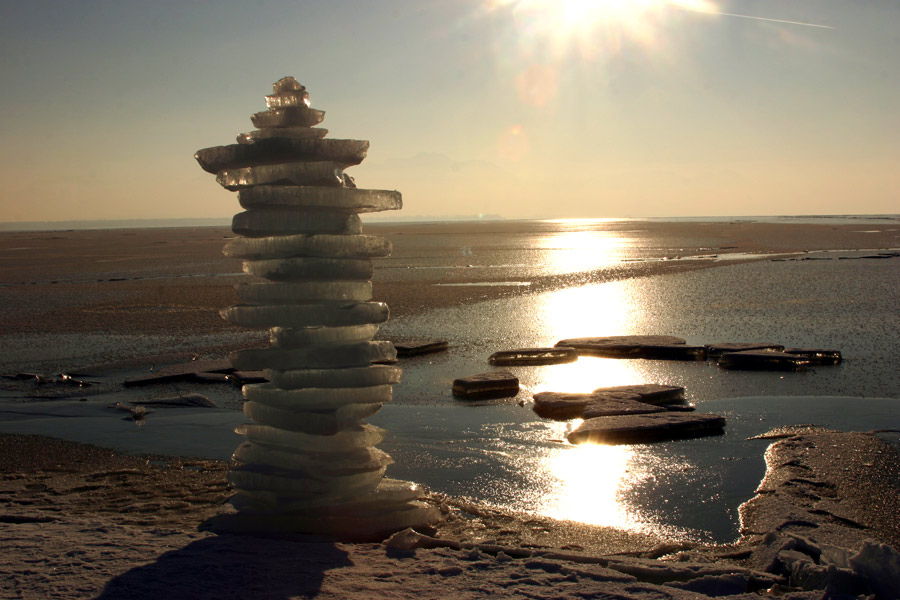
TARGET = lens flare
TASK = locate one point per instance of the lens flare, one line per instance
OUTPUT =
(592, 27)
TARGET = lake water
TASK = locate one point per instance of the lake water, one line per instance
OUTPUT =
(501, 452)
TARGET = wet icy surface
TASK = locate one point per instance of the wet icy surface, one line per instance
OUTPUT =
(501, 452)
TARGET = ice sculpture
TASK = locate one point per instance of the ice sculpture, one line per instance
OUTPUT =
(309, 462)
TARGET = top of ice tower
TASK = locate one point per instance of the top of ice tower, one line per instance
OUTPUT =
(287, 92)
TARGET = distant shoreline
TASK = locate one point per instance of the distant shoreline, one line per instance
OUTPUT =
(78, 225)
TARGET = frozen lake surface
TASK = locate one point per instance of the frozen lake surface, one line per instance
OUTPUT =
(501, 452)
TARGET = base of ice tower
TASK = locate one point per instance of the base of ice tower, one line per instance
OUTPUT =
(359, 527)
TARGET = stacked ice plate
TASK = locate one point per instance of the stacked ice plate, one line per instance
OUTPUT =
(309, 462)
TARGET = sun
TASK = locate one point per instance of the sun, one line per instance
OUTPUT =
(593, 27)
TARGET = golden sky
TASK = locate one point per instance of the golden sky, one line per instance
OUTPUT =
(524, 109)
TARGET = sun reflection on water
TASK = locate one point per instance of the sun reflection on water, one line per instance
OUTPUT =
(583, 250)
(589, 483)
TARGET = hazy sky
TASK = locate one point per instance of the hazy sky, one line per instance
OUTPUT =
(530, 109)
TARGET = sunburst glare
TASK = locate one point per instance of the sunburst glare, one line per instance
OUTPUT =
(592, 27)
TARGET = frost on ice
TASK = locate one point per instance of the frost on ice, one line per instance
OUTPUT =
(309, 462)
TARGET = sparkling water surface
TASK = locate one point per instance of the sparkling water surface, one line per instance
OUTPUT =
(500, 452)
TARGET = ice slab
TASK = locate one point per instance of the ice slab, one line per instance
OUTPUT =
(335, 378)
(612, 407)
(320, 466)
(327, 173)
(258, 477)
(310, 268)
(312, 357)
(497, 384)
(326, 246)
(348, 440)
(302, 196)
(565, 406)
(272, 222)
(306, 315)
(312, 422)
(295, 133)
(181, 372)
(818, 356)
(316, 398)
(304, 291)
(534, 356)
(290, 116)
(638, 429)
(619, 346)
(276, 150)
(389, 494)
(715, 350)
(763, 360)
(302, 337)
(651, 393)
(417, 347)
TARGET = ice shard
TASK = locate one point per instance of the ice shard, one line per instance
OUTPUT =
(308, 463)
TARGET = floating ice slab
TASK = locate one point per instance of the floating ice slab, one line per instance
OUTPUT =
(715, 350)
(619, 346)
(651, 393)
(534, 356)
(565, 406)
(638, 429)
(763, 360)
(497, 384)
(417, 347)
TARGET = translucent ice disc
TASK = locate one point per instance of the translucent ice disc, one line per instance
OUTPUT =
(319, 466)
(328, 246)
(320, 336)
(315, 398)
(312, 422)
(283, 132)
(304, 292)
(349, 199)
(311, 268)
(389, 495)
(251, 477)
(311, 357)
(291, 116)
(335, 378)
(278, 150)
(274, 222)
(348, 440)
(295, 173)
(306, 315)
